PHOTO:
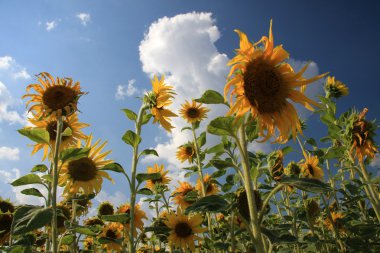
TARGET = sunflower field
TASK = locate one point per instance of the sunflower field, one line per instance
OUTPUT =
(308, 195)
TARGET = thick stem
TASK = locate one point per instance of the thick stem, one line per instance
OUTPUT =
(253, 212)
(55, 185)
(131, 245)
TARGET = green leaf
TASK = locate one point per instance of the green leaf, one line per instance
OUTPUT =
(68, 239)
(149, 152)
(221, 164)
(29, 218)
(211, 97)
(145, 191)
(84, 231)
(113, 167)
(27, 179)
(218, 173)
(141, 177)
(328, 119)
(201, 140)
(218, 149)
(146, 118)
(67, 132)
(306, 184)
(39, 168)
(105, 240)
(335, 152)
(39, 135)
(223, 126)
(185, 128)
(48, 178)
(287, 150)
(120, 217)
(130, 114)
(71, 154)
(32, 192)
(131, 138)
(312, 142)
(212, 203)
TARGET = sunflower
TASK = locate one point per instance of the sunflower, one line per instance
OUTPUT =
(362, 133)
(310, 167)
(242, 203)
(158, 100)
(313, 210)
(186, 152)
(337, 221)
(183, 229)
(105, 208)
(6, 217)
(163, 180)
(84, 175)
(50, 126)
(193, 112)
(210, 186)
(335, 88)
(139, 215)
(113, 231)
(40, 240)
(88, 243)
(263, 84)
(54, 97)
(276, 165)
(93, 222)
(180, 195)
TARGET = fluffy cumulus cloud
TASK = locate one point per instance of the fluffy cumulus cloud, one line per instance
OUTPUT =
(9, 67)
(8, 153)
(84, 18)
(6, 114)
(123, 90)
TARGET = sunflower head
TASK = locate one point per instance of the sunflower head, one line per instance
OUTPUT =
(40, 238)
(186, 152)
(50, 125)
(335, 88)
(158, 100)
(6, 206)
(157, 184)
(263, 83)
(183, 230)
(193, 112)
(139, 215)
(5, 227)
(53, 97)
(88, 243)
(105, 208)
(94, 221)
(276, 164)
(242, 203)
(114, 231)
(337, 221)
(362, 134)
(310, 168)
(84, 176)
(292, 169)
(185, 195)
(313, 209)
(210, 186)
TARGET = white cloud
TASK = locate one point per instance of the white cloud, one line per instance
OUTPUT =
(117, 199)
(9, 66)
(84, 18)
(6, 62)
(5, 102)
(22, 74)
(8, 153)
(51, 25)
(123, 91)
(9, 176)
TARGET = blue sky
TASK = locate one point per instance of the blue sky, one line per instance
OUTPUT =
(113, 48)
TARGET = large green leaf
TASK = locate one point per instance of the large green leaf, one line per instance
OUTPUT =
(27, 179)
(39, 135)
(145, 191)
(68, 239)
(84, 230)
(113, 167)
(223, 126)
(71, 154)
(212, 203)
(201, 140)
(211, 97)
(149, 152)
(131, 138)
(32, 192)
(120, 217)
(29, 218)
(141, 177)
(306, 184)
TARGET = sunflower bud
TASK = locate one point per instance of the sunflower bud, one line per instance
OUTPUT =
(105, 208)
(293, 169)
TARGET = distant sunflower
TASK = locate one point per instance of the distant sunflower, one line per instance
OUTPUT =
(276, 164)
(335, 88)
(88, 243)
(263, 83)
(55, 97)
(50, 125)
(337, 221)
(105, 208)
(6, 217)
(193, 112)
(183, 230)
(211, 187)
(139, 215)
(310, 167)
(163, 180)
(93, 222)
(242, 203)
(362, 134)
(83, 175)
(186, 152)
(180, 195)
(159, 99)
(113, 231)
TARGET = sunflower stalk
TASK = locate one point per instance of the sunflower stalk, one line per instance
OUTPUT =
(131, 245)
(58, 139)
(254, 222)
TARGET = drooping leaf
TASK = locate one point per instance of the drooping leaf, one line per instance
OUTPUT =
(29, 218)
(145, 191)
(27, 179)
(131, 138)
(39, 135)
(32, 192)
(120, 217)
(149, 152)
(212, 203)
(72, 154)
(211, 97)
(306, 184)
(116, 167)
(84, 230)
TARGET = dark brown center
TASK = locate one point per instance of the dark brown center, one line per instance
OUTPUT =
(189, 151)
(52, 129)
(210, 187)
(263, 86)
(111, 234)
(6, 207)
(310, 169)
(157, 181)
(183, 230)
(192, 112)
(106, 209)
(57, 97)
(360, 133)
(5, 223)
(83, 169)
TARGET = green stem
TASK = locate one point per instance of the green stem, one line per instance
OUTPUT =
(267, 199)
(332, 183)
(55, 184)
(253, 212)
(131, 245)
